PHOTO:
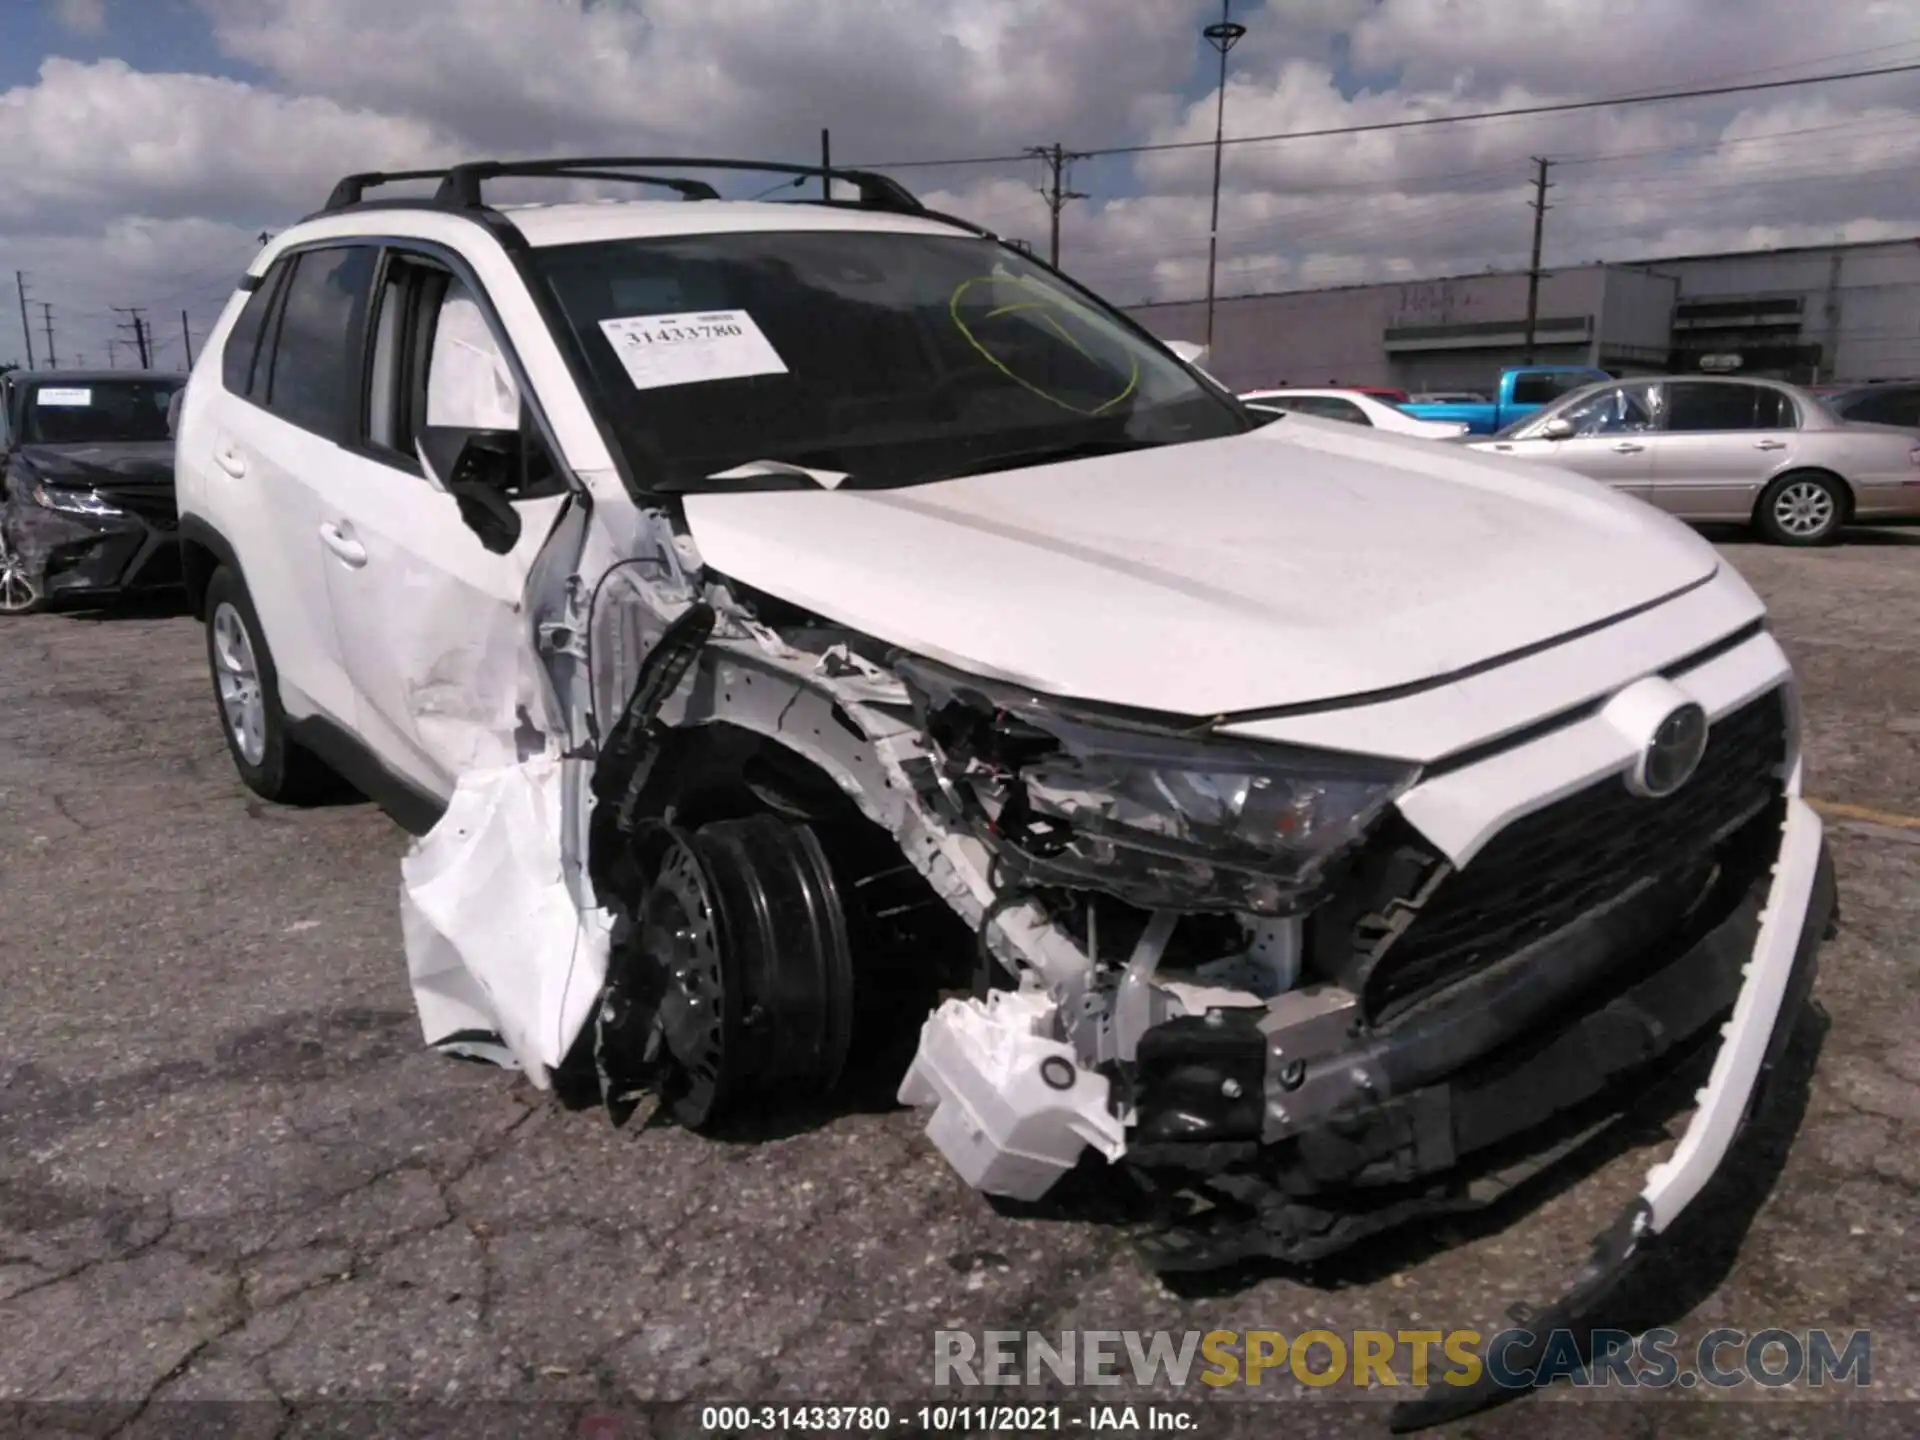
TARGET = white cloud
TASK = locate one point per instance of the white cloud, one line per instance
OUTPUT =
(124, 185)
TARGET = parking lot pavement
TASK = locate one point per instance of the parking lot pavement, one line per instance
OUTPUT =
(228, 1169)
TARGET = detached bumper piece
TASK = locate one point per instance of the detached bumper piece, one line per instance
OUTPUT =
(1804, 904)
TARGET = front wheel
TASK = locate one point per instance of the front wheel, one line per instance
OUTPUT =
(247, 689)
(21, 592)
(1803, 509)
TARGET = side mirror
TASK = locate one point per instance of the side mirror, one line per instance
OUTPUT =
(1558, 428)
(481, 470)
(1188, 351)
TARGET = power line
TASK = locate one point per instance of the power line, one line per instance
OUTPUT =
(1559, 107)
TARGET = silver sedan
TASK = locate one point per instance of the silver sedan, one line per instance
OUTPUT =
(1712, 448)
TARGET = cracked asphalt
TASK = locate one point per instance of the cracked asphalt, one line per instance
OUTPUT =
(230, 1173)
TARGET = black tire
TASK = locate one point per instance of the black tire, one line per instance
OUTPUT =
(1803, 508)
(279, 769)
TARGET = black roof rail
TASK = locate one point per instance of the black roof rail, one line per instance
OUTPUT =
(353, 188)
(461, 184)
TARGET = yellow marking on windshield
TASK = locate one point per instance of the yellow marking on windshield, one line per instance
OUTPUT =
(1045, 303)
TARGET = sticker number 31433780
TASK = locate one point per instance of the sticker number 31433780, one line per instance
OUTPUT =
(688, 348)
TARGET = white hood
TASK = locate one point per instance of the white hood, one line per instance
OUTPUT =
(1306, 561)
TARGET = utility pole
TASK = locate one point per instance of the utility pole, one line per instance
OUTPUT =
(26, 329)
(113, 353)
(186, 338)
(1054, 192)
(139, 328)
(1223, 37)
(1540, 208)
(46, 317)
(826, 164)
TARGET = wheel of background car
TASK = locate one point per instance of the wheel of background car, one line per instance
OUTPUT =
(20, 592)
(1802, 508)
(246, 689)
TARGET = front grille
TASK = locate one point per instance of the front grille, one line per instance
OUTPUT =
(1547, 869)
(153, 503)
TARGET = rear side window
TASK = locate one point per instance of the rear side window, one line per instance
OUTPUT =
(313, 379)
(1884, 407)
(1327, 407)
(238, 368)
(1698, 406)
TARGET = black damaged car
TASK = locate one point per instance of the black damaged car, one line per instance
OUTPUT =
(86, 496)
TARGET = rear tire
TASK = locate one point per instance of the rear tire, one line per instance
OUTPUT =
(1802, 508)
(246, 690)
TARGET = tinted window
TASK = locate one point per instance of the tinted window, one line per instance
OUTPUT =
(1327, 407)
(237, 369)
(1892, 406)
(1538, 389)
(1699, 406)
(97, 412)
(895, 358)
(314, 378)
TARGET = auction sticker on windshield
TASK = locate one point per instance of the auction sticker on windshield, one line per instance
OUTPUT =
(63, 399)
(692, 347)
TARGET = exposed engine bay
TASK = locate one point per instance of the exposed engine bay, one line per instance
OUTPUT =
(1092, 938)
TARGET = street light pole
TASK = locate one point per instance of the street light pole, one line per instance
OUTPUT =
(1223, 37)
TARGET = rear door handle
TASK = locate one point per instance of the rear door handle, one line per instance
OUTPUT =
(229, 459)
(343, 545)
(1627, 447)
(1770, 445)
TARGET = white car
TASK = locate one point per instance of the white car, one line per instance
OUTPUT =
(777, 617)
(1355, 408)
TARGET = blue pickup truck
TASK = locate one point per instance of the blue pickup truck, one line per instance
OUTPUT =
(1523, 389)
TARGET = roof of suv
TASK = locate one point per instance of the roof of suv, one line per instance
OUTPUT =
(577, 221)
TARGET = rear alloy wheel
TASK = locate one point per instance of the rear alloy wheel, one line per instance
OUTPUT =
(20, 592)
(247, 689)
(1803, 509)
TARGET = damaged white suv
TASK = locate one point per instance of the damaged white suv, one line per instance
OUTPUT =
(782, 619)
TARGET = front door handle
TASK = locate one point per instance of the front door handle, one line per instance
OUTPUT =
(343, 545)
(229, 459)
(1627, 447)
(1770, 445)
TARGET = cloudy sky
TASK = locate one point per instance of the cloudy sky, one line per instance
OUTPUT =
(144, 144)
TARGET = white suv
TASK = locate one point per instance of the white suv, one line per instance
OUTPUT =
(778, 617)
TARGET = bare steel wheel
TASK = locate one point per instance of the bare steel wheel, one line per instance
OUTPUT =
(20, 592)
(1802, 509)
(733, 985)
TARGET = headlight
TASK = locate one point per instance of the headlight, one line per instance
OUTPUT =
(1158, 819)
(73, 502)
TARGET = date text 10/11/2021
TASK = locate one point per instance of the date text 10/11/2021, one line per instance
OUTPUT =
(960, 1419)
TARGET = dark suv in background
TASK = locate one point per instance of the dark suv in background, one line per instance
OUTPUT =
(86, 493)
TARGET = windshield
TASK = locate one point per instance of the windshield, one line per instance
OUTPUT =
(890, 358)
(97, 412)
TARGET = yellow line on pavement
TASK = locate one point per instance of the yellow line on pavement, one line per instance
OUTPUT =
(1834, 810)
